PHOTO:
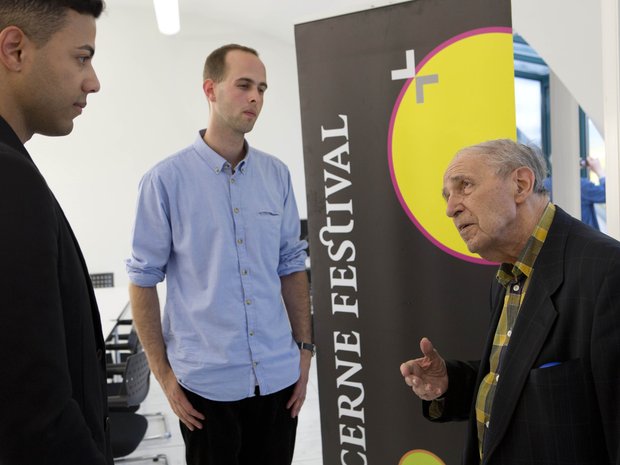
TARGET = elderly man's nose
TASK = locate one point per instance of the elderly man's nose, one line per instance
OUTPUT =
(453, 206)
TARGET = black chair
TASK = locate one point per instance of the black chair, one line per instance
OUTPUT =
(128, 387)
(127, 429)
(126, 432)
(133, 386)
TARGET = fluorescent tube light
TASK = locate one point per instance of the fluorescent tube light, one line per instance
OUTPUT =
(167, 14)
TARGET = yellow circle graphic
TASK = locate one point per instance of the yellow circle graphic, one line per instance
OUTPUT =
(420, 457)
(462, 94)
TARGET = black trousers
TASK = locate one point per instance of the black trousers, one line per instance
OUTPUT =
(254, 431)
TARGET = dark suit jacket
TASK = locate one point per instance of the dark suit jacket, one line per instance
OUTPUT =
(53, 405)
(565, 414)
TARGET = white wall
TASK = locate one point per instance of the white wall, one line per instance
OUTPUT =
(567, 35)
(150, 105)
(579, 40)
(564, 147)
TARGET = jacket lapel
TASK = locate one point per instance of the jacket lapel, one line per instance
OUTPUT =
(532, 327)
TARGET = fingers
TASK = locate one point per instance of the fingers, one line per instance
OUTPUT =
(296, 407)
(413, 378)
(426, 376)
(415, 367)
(187, 413)
(405, 370)
(426, 391)
(297, 399)
(183, 408)
(426, 346)
(410, 372)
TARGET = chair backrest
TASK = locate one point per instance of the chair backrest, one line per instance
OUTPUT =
(135, 380)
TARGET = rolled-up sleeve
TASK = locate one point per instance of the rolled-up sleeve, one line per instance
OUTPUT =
(593, 193)
(292, 249)
(151, 234)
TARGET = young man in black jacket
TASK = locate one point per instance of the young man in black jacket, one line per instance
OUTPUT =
(53, 394)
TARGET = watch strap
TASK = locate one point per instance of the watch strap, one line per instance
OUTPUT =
(307, 346)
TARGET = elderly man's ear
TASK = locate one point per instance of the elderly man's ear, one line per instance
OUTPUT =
(524, 180)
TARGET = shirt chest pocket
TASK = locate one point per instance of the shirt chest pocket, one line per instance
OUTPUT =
(268, 222)
(269, 213)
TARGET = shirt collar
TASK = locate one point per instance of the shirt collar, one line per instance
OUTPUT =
(524, 266)
(215, 161)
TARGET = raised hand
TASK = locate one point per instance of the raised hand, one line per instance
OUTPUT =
(427, 375)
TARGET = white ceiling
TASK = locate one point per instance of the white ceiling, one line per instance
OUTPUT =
(556, 42)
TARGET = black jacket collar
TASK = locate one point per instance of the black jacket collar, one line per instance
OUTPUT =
(8, 136)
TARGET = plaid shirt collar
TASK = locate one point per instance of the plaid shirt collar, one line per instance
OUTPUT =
(524, 266)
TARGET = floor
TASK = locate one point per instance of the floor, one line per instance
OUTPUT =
(307, 450)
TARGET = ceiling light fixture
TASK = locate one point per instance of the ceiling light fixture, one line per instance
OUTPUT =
(167, 14)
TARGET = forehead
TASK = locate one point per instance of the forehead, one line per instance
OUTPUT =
(241, 64)
(466, 164)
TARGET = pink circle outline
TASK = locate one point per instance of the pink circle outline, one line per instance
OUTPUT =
(425, 452)
(419, 66)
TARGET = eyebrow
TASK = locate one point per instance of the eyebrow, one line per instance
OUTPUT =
(454, 180)
(89, 49)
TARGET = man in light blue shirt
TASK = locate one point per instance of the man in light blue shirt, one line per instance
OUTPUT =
(219, 221)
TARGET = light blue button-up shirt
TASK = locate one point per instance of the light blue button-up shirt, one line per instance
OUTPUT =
(222, 240)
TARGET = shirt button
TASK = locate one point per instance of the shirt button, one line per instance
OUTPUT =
(509, 333)
(487, 424)
(232, 180)
(496, 378)
(254, 363)
(244, 272)
(248, 302)
(515, 287)
(236, 210)
(239, 241)
(251, 333)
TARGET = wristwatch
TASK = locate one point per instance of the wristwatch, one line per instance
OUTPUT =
(308, 346)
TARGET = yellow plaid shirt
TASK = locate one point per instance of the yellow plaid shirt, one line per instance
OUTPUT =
(515, 278)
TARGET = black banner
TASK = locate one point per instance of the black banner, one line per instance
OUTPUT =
(387, 97)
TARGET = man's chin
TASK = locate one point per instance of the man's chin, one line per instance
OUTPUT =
(57, 131)
(472, 246)
(472, 249)
(248, 127)
(484, 254)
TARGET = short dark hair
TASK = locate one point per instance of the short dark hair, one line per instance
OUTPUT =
(215, 64)
(40, 19)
